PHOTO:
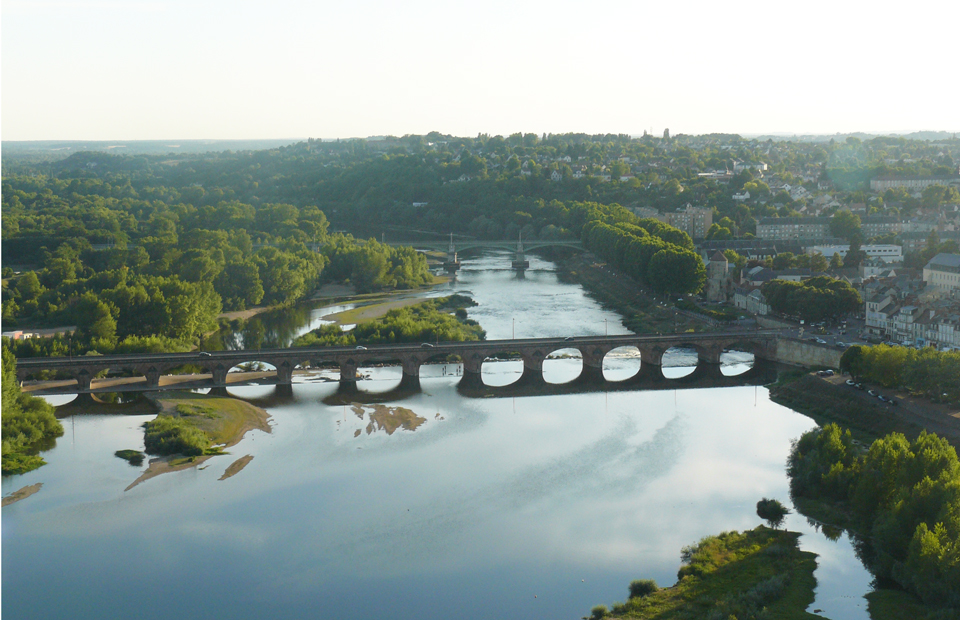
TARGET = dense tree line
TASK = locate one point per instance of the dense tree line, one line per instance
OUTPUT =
(904, 498)
(813, 300)
(935, 374)
(168, 268)
(29, 424)
(436, 320)
(650, 251)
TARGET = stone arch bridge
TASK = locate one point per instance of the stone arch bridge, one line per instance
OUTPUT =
(215, 366)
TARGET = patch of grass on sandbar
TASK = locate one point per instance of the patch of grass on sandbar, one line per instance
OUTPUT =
(134, 457)
(221, 420)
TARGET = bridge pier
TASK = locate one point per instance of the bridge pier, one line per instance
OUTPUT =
(153, 377)
(284, 373)
(709, 355)
(410, 379)
(704, 371)
(592, 365)
(83, 381)
(591, 375)
(219, 376)
(532, 369)
(348, 373)
(452, 264)
(520, 262)
(472, 378)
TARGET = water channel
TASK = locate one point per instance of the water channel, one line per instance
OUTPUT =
(514, 507)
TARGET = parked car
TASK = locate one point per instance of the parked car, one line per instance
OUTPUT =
(871, 393)
(851, 383)
(426, 345)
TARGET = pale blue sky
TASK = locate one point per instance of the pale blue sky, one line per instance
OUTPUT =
(173, 69)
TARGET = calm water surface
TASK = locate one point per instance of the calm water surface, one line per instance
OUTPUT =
(532, 507)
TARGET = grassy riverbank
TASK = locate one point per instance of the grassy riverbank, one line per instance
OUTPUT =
(829, 400)
(732, 575)
(642, 313)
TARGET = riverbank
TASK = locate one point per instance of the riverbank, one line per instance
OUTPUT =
(732, 575)
(642, 312)
(829, 399)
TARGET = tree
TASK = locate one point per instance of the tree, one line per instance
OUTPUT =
(94, 319)
(28, 287)
(845, 224)
(29, 423)
(855, 255)
(772, 511)
(852, 361)
(717, 232)
(818, 263)
(676, 271)
(784, 260)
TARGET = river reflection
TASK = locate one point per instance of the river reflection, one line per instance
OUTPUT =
(510, 507)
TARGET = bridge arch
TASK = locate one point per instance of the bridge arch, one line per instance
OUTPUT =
(622, 363)
(739, 356)
(562, 365)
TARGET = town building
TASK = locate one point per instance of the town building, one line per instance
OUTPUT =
(877, 225)
(751, 299)
(889, 253)
(882, 184)
(943, 271)
(719, 283)
(907, 310)
(793, 227)
(695, 221)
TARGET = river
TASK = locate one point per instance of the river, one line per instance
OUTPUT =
(523, 507)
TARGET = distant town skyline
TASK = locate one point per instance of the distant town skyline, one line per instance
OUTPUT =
(178, 70)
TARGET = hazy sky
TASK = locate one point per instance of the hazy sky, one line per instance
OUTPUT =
(179, 69)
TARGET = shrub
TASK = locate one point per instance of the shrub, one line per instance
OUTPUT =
(167, 435)
(134, 457)
(642, 587)
(772, 511)
(598, 612)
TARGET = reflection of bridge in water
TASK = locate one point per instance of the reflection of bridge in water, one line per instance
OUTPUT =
(178, 371)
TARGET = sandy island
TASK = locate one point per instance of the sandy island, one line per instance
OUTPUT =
(371, 311)
(20, 494)
(236, 466)
(344, 293)
(232, 419)
(385, 418)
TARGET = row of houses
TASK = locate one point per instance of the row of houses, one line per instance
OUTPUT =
(809, 227)
(906, 306)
